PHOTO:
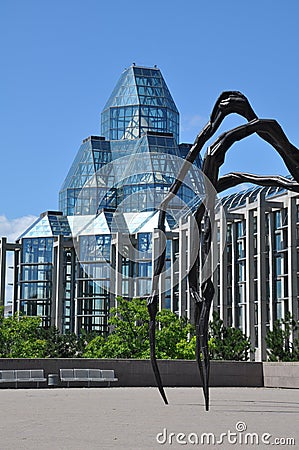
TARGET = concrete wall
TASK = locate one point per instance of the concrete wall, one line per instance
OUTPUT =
(283, 375)
(132, 372)
(176, 373)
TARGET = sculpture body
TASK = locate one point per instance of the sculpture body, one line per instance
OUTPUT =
(202, 290)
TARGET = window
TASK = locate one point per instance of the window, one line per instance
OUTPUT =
(278, 289)
(241, 272)
(145, 269)
(241, 249)
(277, 219)
(95, 248)
(37, 250)
(240, 229)
(145, 244)
(278, 242)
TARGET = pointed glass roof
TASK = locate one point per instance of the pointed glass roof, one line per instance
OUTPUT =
(125, 91)
(140, 122)
(48, 225)
(140, 102)
(93, 153)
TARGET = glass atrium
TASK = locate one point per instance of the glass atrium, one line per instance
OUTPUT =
(70, 265)
(140, 118)
(128, 170)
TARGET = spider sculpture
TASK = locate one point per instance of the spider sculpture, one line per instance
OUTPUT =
(202, 291)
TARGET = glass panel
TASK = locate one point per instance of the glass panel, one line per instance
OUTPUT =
(145, 244)
(278, 241)
(240, 229)
(277, 219)
(37, 250)
(95, 248)
(278, 265)
(145, 269)
(241, 271)
(279, 289)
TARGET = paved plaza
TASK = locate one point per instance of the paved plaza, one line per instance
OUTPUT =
(133, 418)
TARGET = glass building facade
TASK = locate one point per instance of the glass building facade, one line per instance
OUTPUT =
(258, 268)
(70, 265)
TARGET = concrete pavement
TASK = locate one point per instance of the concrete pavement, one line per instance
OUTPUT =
(133, 418)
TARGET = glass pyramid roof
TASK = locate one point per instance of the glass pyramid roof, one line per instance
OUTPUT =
(48, 225)
(140, 102)
(140, 122)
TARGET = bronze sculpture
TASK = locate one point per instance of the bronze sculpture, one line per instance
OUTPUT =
(202, 292)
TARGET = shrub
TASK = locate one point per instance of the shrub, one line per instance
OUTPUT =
(227, 342)
(280, 347)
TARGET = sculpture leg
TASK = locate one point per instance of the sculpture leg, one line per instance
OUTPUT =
(202, 313)
(202, 336)
(197, 314)
(203, 294)
(152, 307)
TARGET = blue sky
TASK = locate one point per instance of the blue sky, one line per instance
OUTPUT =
(60, 60)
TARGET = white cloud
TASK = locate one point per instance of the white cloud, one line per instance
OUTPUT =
(13, 228)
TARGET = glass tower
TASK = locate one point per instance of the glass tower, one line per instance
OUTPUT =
(140, 122)
(69, 278)
(139, 103)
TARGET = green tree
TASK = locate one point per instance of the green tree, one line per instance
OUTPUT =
(174, 336)
(23, 337)
(67, 345)
(96, 348)
(19, 337)
(129, 337)
(280, 347)
(185, 349)
(227, 343)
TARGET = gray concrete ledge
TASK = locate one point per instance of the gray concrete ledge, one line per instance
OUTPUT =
(174, 373)
(138, 373)
(281, 375)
